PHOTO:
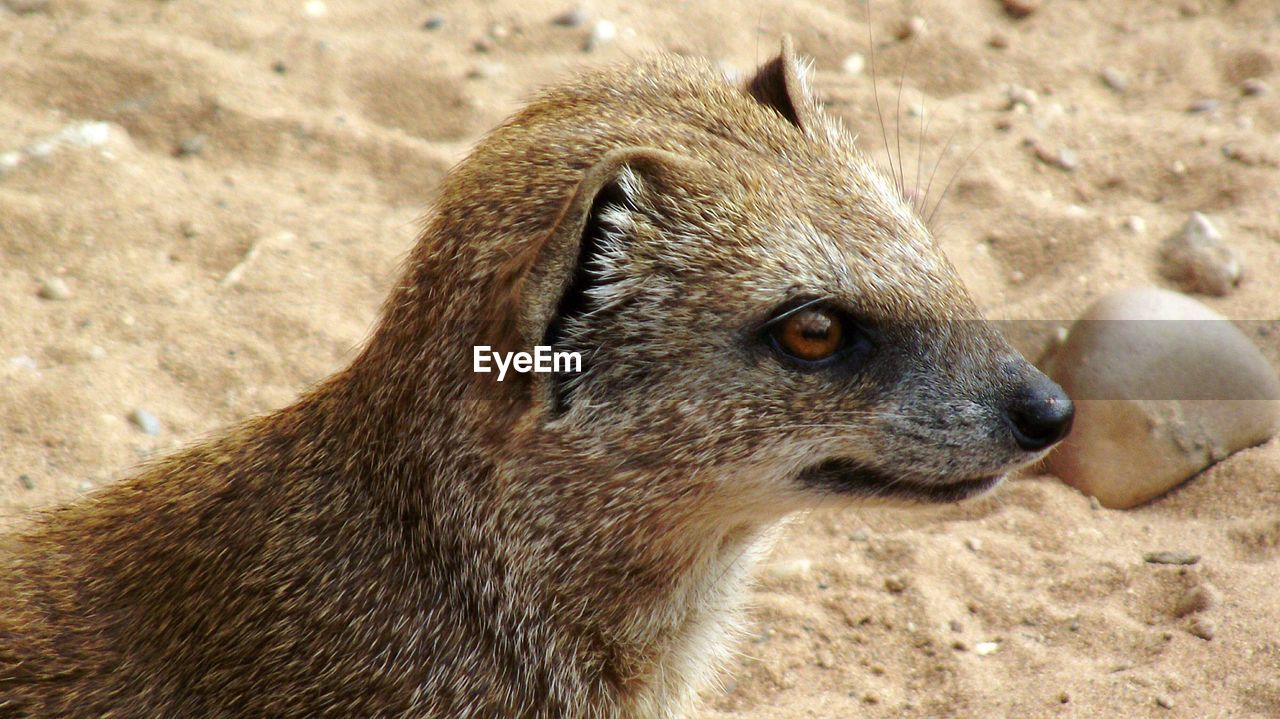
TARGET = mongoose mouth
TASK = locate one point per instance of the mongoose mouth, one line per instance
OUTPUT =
(846, 476)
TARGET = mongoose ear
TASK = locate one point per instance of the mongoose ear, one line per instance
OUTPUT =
(782, 85)
(556, 287)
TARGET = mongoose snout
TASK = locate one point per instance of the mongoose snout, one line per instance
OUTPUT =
(1040, 415)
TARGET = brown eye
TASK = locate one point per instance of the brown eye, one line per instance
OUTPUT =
(810, 334)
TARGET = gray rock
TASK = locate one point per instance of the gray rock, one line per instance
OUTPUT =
(193, 145)
(145, 421)
(576, 16)
(1167, 557)
(1203, 105)
(1114, 79)
(1198, 261)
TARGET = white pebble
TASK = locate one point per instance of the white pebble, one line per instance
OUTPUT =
(55, 288)
(1019, 95)
(983, 649)
(1135, 225)
(1114, 79)
(9, 161)
(854, 64)
(145, 421)
(603, 32)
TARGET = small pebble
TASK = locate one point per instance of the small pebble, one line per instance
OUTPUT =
(145, 421)
(1135, 225)
(1164, 702)
(1203, 627)
(193, 145)
(499, 31)
(915, 26)
(1207, 104)
(1166, 557)
(998, 41)
(26, 481)
(955, 626)
(435, 22)
(983, 649)
(1253, 86)
(279, 68)
(1199, 598)
(1114, 79)
(573, 17)
(55, 289)
(854, 64)
(27, 7)
(1196, 258)
(1064, 698)
(10, 160)
(973, 544)
(603, 32)
(1019, 95)
(895, 584)
(1064, 159)
(1178, 168)
(485, 70)
(1018, 9)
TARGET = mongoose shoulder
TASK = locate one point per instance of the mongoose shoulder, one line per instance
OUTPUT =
(764, 325)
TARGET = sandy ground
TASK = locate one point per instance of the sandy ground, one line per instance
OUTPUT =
(225, 241)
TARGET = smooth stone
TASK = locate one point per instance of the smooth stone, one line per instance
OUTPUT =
(54, 288)
(145, 421)
(1157, 401)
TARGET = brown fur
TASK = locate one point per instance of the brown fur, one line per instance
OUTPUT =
(412, 539)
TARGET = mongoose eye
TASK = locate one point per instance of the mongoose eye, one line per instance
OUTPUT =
(811, 334)
(814, 334)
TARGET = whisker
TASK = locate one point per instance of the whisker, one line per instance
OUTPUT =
(875, 92)
(897, 119)
(954, 176)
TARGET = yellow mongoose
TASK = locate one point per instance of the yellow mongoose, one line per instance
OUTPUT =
(764, 325)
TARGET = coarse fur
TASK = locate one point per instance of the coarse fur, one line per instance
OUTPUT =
(413, 539)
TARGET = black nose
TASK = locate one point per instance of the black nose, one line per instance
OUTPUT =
(1040, 414)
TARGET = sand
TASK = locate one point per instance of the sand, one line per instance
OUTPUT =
(226, 236)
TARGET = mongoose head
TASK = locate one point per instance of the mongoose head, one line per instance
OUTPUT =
(764, 321)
